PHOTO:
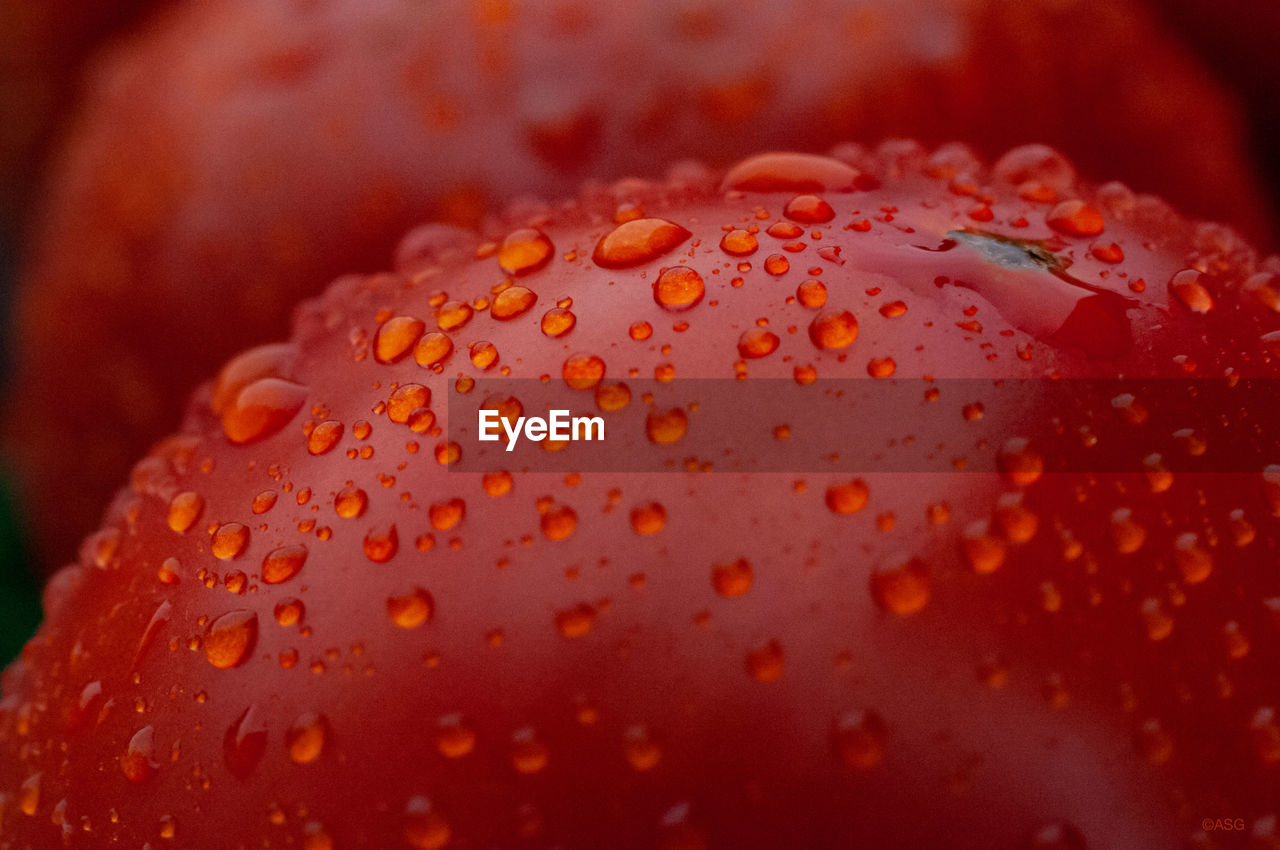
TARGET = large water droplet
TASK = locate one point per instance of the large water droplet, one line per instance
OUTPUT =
(524, 251)
(790, 172)
(678, 288)
(139, 760)
(638, 241)
(262, 409)
(230, 638)
(511, 302)
(184, 510)
(283, 563)
(833, 329)
(412, 609)
(306, 737)
(395, 337)
(901, 588)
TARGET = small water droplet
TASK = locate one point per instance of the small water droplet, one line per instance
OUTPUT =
(848, 497)
(433, 348)
(638, 241)
(1190, 288)
(558, 321)
(649, 518)
(1075, 218)
(665, 427)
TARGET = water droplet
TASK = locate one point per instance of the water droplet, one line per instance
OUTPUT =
(834, 329)
(1057, 836)
(276, 360)
(638, 241)
(184, 510)
(848, 497)
(649, 518)
(739, 243)
(229, 540)
(1075, 218)
(665, 427)
(289, 612)
(558, 523)
(640, 750)
(583, 371)
(776, 265)
(433, 349)
(901, 588)
(558, 321)
(305, 738)
(812, 293)
(381, 544)
(790, 172)
(859, 739)
(316, 837)
(1265, 728)
(455, 737)
(757, 342)
(404, 400)
(881, 367)
(1127, 535)
(1155, 619)
(733, 579)
(640, 331)
(484, 354)
(1190, 288)
(528, 754)
(350, 502)
(424, 827)
(452, 315)
(283, 563)
(1020, 464)
(524, 251)
(230, 638)
(678, 288)
(983, 550)
(261, 409)
(765, 663)
(324, 437)
(139, 760)
(1154, 743)
(395, 337)
(497, 483)
(808, 209)
(511, 302)
(611, 397)
(1193, 560)
(1016, 521)
(576, 621)
(412, 609)
(245, 742)
(29, 794)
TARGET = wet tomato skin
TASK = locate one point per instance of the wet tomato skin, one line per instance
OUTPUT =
(231, 158)
(312, 617)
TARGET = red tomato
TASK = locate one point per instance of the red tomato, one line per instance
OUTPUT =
(323, 614)
(235, 156)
